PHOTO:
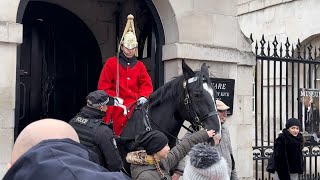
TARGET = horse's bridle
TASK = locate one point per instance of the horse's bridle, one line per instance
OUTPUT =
(197, 122)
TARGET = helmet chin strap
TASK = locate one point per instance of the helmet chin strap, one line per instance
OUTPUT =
(125, 54)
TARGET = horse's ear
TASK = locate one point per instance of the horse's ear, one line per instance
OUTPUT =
(187, 71)
(204, 69)
(205, 72)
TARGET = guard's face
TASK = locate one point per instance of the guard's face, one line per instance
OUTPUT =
(129, 53)
(103, 108)
(294, 130)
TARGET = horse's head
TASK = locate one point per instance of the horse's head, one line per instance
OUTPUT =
(200, 98)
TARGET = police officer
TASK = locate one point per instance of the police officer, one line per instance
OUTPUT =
(94, 133)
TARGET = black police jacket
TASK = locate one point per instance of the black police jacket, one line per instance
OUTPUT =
(97, 136)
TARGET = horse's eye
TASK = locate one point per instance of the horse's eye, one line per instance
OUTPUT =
(197, 94)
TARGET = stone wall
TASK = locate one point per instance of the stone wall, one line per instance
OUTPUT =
(208, 32)
(293, 19)
(196, 30)
(247, 6)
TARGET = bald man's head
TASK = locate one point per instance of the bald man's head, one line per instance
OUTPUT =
(39, 131)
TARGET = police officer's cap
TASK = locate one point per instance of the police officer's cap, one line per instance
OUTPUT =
(99, 98)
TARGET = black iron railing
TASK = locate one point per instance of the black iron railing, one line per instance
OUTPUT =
(281, 70)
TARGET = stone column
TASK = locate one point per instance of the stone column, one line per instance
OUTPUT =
(10, 37)
(208, 32)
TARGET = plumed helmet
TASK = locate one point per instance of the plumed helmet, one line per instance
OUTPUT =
(129, 39)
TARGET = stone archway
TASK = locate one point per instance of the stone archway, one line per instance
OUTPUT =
(104, 41)
(59, 64)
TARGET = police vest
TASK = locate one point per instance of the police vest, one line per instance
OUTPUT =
(86, 129)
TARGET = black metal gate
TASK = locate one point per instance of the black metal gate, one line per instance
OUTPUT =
(280, 71)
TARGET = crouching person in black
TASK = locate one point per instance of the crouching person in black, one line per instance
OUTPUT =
(94, 133)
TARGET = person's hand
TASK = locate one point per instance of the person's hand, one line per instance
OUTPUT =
(118, 101)
(211, 133)
(142, 100)
(216, 139)
(175, 176)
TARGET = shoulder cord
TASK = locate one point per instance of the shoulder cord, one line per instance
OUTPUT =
(117, 81)
(156, 163)
(129, 25)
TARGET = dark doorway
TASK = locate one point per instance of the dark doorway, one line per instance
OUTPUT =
(149, 32)
(60, 63)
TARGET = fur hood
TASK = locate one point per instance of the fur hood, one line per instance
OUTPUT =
(139, 158)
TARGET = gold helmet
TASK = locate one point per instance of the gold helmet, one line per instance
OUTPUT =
(129, 39)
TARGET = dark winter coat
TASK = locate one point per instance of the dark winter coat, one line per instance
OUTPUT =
(288, 157)
(147, 172)
(59, 159)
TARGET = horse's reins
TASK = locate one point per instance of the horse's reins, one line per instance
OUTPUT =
(166, 132)
(190, 109)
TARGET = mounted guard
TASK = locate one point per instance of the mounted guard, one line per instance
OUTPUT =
(125, 77)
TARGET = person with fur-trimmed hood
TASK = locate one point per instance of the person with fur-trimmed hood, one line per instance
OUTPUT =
(288, 159)
(156, 160)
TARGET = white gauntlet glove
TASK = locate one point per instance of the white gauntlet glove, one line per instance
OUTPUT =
(119, 103)
(142, 100)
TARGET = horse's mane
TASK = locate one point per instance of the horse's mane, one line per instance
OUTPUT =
(173, 89)
(169, 91)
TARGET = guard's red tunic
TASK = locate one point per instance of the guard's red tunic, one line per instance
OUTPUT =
(134, 83)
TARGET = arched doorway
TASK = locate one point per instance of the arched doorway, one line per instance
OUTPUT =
(149, 32)
(60, 63)
(33, 14)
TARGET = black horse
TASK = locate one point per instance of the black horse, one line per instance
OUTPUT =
(190, 97)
